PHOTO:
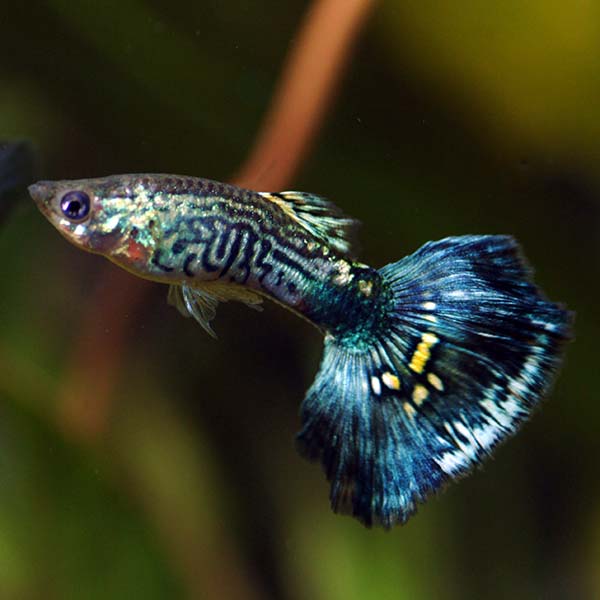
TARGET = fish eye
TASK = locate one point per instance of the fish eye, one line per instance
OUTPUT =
(75, 205)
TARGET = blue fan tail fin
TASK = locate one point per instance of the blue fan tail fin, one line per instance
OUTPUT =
(468, 349)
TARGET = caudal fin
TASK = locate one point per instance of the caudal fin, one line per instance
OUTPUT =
(470, 348)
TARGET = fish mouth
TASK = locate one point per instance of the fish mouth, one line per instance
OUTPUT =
(42, 193)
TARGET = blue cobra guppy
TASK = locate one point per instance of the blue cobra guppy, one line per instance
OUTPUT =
(429, 362)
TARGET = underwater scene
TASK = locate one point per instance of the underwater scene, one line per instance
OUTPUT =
(298, 300)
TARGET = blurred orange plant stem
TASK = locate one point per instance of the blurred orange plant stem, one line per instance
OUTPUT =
(310, 74)
(85, 398)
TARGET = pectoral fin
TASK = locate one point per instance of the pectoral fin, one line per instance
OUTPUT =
(191, 302)
(201, 301)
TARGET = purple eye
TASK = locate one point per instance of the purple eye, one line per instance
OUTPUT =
(75, 205)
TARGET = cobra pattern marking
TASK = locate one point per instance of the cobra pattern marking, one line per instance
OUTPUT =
(242, 242)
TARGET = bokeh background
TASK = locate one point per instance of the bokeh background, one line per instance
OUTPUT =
(141, 459)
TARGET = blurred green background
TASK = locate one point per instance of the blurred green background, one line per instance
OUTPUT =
(452, 118)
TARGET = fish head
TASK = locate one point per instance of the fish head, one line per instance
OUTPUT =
(112, 216)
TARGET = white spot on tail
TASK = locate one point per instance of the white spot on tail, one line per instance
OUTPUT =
(512, 407)
(457, 294)
(451, 462)
(376, 385)
(487, 434)
(497, 413)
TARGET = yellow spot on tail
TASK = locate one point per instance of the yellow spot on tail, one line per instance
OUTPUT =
(423, 352)
(435, 381)
(429, 305)
(420, 394)
(366, 287)
(344, 275)
(391, 381)
(420, 358)
(409, 410)
(430, 318)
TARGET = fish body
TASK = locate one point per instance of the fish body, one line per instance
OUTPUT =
(222, 240)
(429, 362)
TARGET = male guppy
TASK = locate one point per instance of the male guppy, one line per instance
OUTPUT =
(429, 362)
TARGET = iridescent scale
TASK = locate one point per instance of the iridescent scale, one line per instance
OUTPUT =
(214, 233)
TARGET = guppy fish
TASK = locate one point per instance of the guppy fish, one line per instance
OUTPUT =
(429, 362)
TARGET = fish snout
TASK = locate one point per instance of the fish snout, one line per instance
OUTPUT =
(42, 192)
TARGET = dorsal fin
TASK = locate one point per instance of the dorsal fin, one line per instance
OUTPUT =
(320, 217)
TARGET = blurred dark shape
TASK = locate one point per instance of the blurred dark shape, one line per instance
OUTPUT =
(17, 167)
